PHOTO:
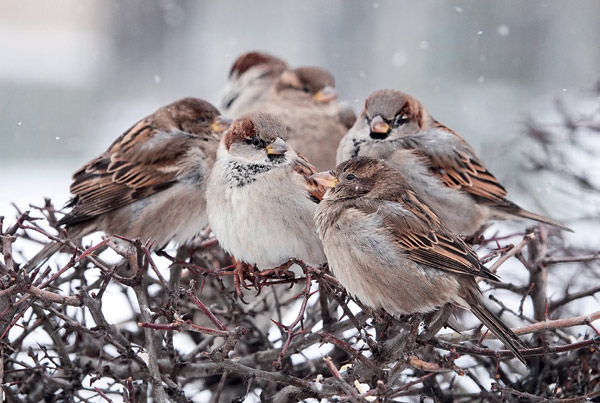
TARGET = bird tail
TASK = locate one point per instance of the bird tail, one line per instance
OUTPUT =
(542, 219)
(496, 326)
(42, 256)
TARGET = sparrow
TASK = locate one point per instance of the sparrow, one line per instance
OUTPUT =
(443, 170)
(249, 81)
(261, 200)
(305, 100)
(151, 182)
(390, 250)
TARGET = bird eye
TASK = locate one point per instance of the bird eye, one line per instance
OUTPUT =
(255, 141)
(399, 120)
(306, 89)
(350, 177)
(201, 120)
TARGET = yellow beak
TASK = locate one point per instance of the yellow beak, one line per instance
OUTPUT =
(220, 124)
(327, 94)
(378, 125)
(326, 179)
(278, 147)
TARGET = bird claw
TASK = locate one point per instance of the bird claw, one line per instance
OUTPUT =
(281, 271)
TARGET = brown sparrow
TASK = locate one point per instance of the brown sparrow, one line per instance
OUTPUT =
(151, 181)
(261, 200)
(392, 252)
(306, 102)
(441, 167)
(250, 78)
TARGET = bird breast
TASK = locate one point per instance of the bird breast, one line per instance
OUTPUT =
(372, 268)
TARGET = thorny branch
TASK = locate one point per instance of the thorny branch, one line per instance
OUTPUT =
(113, 322)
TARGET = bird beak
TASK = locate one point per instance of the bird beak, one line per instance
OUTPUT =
(326, 179)
(220, 124)
(327, 94)
(278, 147)
(378, 125)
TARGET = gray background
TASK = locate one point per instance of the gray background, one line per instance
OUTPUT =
(75, 74)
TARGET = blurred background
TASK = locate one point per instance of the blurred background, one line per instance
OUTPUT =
(74, 75)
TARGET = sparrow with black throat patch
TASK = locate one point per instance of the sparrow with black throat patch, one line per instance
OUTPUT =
(261, 200)
(441, 167)
(392, 252)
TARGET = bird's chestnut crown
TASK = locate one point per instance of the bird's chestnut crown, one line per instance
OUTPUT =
(246, 61)
(260, 131)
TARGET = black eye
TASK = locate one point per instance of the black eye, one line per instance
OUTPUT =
(350, 177)
(306, 89)
(256, 142)
(399, 120)
(201, 120)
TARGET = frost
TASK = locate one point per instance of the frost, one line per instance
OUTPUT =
(458, 9)
(423, 45)
(19, 124)
(503, 30)
(479, 32)
(57, 138)
(157, 79)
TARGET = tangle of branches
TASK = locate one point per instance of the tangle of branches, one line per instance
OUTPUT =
(112, 321)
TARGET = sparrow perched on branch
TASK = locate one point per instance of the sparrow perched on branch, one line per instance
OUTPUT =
(441, 167)
(392, 252)
(261, 200)
(151, 181)
(306, 102)
(250, 78)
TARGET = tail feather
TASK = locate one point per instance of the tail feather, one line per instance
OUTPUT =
(542, 219)
(496, 326)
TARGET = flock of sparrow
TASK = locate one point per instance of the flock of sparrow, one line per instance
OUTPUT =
(387, 219)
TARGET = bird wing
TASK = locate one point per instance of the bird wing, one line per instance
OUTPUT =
(416, 229)
(455, 163)
(315, 190)
(141, 162)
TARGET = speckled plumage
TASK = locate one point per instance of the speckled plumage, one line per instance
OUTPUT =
(260, 205)
(150, 183)
(392, 252)
(441, 167)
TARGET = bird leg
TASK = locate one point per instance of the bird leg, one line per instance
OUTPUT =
(241, 268)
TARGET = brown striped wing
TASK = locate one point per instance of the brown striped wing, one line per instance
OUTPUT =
(425, 240)
(458, 167)
(304, 168)
(140, 163)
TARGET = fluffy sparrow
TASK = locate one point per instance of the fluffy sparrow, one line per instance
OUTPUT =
(306, 102)
(441, 167)
(151, 181)
(261, 200)
(392, 252)
(250, 78)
